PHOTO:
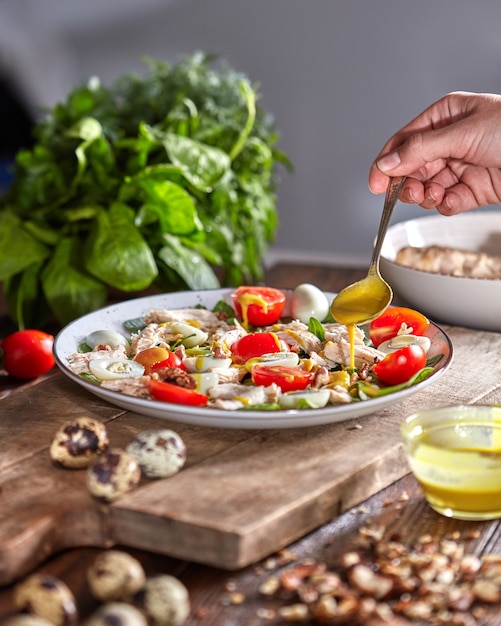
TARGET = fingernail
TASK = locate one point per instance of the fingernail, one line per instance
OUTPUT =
(389, 162)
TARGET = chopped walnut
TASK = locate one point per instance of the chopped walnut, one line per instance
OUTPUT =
(176, 376)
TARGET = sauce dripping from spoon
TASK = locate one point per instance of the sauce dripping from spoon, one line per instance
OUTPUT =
(366, 299)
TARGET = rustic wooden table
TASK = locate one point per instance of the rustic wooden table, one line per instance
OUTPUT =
(395, 516)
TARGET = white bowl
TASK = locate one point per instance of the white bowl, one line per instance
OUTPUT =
(470, 302)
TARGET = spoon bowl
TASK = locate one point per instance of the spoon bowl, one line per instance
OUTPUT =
(366, 299)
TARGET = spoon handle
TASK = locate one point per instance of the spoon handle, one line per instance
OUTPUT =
(392, 192)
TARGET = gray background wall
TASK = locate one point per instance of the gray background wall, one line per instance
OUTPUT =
(339, 75)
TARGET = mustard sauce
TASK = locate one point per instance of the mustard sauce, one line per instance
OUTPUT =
(461, 482)
(246, 300)
(360, 303)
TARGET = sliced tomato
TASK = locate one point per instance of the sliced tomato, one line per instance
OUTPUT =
(287, 378)
(399, 366)
(167, 392)
(259, 306)
(397, 320)
(256, 344)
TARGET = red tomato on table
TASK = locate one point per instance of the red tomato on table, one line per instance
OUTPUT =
(397, 367)
(287, 378)
(257, 344)
(28, 353)
(167, 392)
(259, 306)
(389, 323)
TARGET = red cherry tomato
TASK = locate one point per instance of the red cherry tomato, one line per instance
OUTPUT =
(154, 358)
(28, 353)
(259, 306)
(171, 361)
(167, 392)
(389, 323)
(256, 344)
(287, 378)
(397, 367)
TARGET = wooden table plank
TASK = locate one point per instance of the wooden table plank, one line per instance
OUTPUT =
(400, 507)
(242, 495)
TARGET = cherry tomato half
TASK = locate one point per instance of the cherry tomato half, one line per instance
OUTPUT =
(256, 344)
(28, 353)
(259, 306)
(287, 378)
(167, 392)
(389, 324)
(399, 366)
(154, 358)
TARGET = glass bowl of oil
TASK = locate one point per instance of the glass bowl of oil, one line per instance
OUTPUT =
(455, 454)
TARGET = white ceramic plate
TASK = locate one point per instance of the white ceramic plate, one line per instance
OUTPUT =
(470, 302)
(113, 316)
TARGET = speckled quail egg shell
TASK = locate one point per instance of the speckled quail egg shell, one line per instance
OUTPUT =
(24, 619)
(77, 443)
(164, 600)
(160, 453)
(117, 614)
(47, 597)
(113, 474)
(115, 575)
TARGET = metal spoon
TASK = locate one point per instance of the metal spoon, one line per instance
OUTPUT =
(366, 299)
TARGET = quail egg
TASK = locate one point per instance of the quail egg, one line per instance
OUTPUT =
(117, 614)
(113, 474)
(25, 619)
(160, 453)
(164, 600)
(115, 575)
(77, 443)
(47, 597)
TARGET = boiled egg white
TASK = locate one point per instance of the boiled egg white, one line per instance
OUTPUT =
(113, 369)
(402, 341)
(309, 301)
(106, 338)
(309, 398)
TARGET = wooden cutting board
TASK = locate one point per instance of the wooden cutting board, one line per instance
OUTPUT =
(242, 494)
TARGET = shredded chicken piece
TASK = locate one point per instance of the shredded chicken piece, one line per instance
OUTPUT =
(245, 394)
(151, 336)
(196, 317)
(451, 261)
(339, 354)
(79, 362)
(339, 395)
(136, 387)
(338, 332)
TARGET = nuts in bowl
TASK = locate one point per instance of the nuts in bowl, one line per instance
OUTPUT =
(448, 267)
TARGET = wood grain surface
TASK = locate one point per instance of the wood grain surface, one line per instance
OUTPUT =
(242, 494)
(219, 597)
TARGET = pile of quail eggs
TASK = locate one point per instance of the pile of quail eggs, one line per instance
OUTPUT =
(118, 581)
(113, 472)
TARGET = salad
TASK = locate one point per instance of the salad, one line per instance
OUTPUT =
(249, 355)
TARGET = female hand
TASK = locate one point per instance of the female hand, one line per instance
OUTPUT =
(451, 154)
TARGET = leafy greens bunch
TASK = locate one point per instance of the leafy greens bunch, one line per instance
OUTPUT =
(166, 181)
